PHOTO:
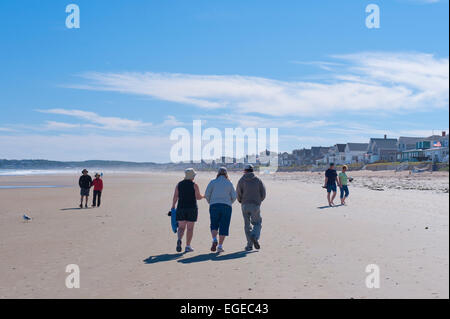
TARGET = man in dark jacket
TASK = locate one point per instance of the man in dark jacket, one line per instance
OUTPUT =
(251, 192)
(85, 183)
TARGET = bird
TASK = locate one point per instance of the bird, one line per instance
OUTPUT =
(26, 218)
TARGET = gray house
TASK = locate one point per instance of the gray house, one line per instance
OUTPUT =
(382, 150)
(406, 143)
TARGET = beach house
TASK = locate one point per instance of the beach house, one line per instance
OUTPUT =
(302, 156)
(406, 143)
(285, 159)
(433, 148)
(382, 150)
(438, 151)
(437, 154)
(355, 152)
(336, 155)
(318, 152)
(308, 156)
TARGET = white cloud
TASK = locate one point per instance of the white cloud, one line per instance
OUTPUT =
(369, 82)
(171, 121)
(421, 72)
(265, 122)
(324, 65)
(358, 132)
(52, 125)
(93, 120)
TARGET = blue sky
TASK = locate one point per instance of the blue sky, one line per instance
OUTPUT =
(116, 87)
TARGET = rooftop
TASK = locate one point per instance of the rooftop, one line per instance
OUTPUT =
(387, 143)
(341, 147)
(358, 146)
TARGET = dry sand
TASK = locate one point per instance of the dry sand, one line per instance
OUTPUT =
(126, 249)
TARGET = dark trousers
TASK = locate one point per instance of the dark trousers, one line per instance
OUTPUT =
(97, 198)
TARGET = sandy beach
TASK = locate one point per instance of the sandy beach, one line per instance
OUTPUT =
(126, 249)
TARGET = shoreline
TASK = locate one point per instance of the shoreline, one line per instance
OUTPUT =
(165, 167)
(374, 180)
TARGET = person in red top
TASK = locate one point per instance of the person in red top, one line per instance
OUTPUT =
(98, 188)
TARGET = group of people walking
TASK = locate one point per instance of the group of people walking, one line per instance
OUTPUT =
(220, 195)
(86, 183)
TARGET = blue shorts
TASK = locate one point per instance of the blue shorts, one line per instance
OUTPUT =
(344, 191)
(331, 187)
(220, 218)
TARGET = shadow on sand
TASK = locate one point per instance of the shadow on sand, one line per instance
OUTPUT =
(215, 257)
(196, 259)
(323, 207)
(75, 208)
(162, 258)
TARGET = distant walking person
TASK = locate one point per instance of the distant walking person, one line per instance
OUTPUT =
(85, 183)
(330, 184)
(220, 194)
(98, 189)
(186, 194)
(343, 182)
(251, 192)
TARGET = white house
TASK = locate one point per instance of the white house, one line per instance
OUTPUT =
(286, 159)
(437, 154)
(355, 152)
(336, 154)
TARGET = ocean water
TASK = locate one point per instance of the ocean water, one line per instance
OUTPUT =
(76, 172)
(29, 172)
(33, 186)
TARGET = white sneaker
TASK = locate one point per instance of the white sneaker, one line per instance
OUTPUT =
(220, 249)
(189, 249)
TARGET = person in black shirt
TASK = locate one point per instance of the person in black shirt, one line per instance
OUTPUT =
(187, 193)
(330, 184)
(85, 183)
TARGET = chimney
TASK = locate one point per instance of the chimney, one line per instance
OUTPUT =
(443, 133)
(385, 136)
